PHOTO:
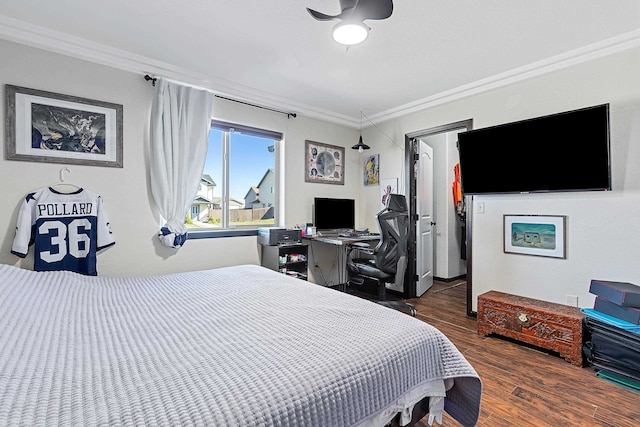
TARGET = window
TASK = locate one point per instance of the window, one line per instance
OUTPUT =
(238, 190)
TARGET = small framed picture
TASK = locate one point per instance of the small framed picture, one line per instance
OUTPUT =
(387, 187)
(535, 235)
(51, 127)
(371, 169)
(324, 163)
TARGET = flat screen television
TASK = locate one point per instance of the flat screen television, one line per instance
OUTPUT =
(334, 214)
(566, 151)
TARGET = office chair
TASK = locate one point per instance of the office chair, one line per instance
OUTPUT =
(389, 257)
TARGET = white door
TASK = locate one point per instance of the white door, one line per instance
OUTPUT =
(424, 210)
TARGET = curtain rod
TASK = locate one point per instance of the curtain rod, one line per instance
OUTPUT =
(153, 80)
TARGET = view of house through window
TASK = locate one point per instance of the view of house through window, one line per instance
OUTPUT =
(238, 185)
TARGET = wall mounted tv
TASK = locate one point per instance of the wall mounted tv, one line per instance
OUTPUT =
(566, 151)
(334, 214)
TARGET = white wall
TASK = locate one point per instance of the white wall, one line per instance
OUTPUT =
(603, 228)
(132, 213)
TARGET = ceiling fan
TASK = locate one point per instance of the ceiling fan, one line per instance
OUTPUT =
(351, 28)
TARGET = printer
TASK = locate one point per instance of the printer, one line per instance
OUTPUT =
(272, 236)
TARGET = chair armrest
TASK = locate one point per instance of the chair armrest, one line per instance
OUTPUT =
(360, 245)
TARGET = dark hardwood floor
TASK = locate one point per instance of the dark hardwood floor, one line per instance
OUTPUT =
(523, 386)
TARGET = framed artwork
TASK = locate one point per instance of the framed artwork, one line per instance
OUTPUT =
(51, 127)
(387, 186)
(371, 169)
(324, 163)
(535, 235)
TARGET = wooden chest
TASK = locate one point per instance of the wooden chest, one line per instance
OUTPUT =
(548, 325)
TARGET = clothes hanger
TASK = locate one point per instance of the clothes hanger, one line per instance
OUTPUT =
(65, 184)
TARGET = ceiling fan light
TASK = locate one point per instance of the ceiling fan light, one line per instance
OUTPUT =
(350, 33)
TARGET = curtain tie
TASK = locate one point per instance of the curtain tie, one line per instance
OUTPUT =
(173, 234)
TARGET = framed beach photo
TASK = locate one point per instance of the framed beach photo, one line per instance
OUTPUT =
(51, 127)
(535, 235)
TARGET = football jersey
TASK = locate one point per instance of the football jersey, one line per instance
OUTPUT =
(66, 229)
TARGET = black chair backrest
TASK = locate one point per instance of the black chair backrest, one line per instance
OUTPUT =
(393, 222)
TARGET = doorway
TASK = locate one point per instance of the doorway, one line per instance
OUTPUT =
(435, 238)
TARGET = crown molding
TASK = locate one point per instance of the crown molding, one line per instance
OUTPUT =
(584, 54)
(55, 41)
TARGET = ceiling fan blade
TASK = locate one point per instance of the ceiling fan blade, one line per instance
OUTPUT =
(345, 7)
(358, 10)
(347, 4)
(322, 16)
(372, 9)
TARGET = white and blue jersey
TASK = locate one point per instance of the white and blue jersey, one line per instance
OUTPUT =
(66, 229)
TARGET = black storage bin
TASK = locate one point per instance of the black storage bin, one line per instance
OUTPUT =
(611, 348)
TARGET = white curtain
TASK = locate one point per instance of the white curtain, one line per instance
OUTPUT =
(180, 121)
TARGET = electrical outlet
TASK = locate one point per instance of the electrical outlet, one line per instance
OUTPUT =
(572, 300)
(480, 207)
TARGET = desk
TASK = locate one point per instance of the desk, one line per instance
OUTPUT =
(342, 244)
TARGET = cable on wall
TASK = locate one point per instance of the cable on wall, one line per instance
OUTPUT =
(153, 80)
(402, 164)
(380, 130)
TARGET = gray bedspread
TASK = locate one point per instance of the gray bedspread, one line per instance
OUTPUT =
(235, 346)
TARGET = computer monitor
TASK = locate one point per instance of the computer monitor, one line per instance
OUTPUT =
(334, 214)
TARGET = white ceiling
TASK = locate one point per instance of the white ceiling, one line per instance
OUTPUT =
(272, 52)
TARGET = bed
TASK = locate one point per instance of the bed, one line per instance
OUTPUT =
(233, 346)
